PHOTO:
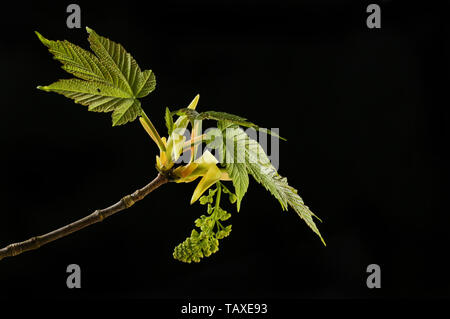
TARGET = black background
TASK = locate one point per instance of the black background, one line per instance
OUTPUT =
(364, 112)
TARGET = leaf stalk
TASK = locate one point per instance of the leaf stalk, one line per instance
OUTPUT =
(151, 130)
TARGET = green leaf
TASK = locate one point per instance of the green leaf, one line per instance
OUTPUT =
(222, 116)
(286, 194)
(191, 114)
(98, 97)
(238, 174)
(77, 61)
(169, 121)
(110, 81)
(234, 140)
(182, 122)
(258, 165)
(122, 64)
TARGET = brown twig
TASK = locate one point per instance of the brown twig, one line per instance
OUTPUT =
(97, 216)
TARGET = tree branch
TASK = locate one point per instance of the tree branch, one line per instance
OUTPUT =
(97, 216)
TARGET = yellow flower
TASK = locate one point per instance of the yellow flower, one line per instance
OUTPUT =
(205, 166)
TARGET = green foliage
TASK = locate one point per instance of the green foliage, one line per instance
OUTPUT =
(238, 174)
(109, 81)
(205, 243)
(169, 121)
(243, 156)
(222, 116)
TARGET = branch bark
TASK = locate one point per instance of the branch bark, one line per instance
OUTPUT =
(97, 216)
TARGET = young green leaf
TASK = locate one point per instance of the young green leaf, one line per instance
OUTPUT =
(222, 116)
(110, 81)
(233, 155)
(258, 165)
(182, 122)
(239, 176)
(126, 70)
(169, 121)
(286, 194)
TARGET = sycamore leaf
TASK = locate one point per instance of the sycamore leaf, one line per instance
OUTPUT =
(122, 64)
(234, 157)
(238, 174)
(109, 81)
(193, 115)
(99, 97)
(182, 122)
(169, 121)
(258, 165)
(77, 61)
(190, 113)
